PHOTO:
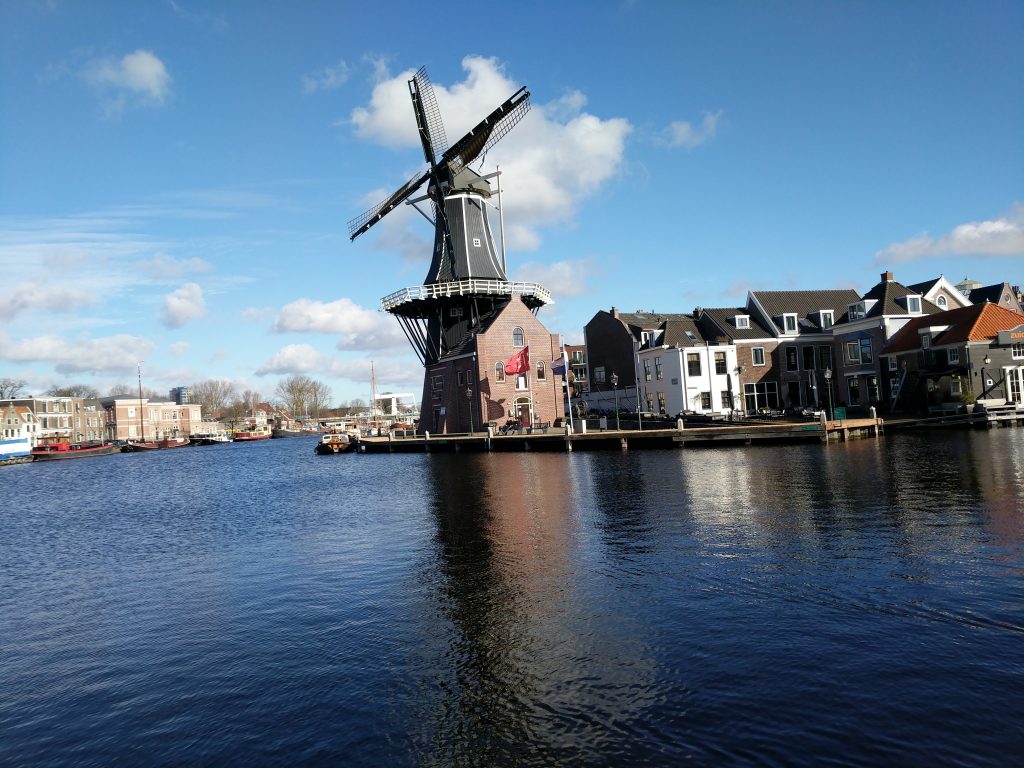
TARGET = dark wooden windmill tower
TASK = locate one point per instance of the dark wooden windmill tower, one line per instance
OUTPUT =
(466, 283)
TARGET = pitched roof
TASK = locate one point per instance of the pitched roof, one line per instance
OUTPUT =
(977, 322)
(805, 303)
(678, 332)
(719, 322)
(923, 288)
(991, 293)
(886, 293)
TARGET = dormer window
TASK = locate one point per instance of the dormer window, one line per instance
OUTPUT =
(742, 321)
(926, 341)
(789, 322)
(941, 301)
(914, 305)
(857, 311)
(827, 319)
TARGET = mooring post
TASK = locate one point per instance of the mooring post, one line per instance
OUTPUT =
(426, 442)
(623, 444)
(490, 434)
(568, 438)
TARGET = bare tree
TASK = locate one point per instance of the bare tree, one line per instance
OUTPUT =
(11, 388)
(74, 390)
(294, 393)
(319, 398)
(127, 390)
(213, 395)
(121, 389)
(250, 399)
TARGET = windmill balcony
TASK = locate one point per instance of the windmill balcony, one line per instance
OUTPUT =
(532, 293)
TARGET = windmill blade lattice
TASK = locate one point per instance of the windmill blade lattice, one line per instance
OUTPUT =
(488, 132)
(366, 220)
(428, 116)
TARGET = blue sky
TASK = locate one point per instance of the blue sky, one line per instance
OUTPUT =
(176, 177)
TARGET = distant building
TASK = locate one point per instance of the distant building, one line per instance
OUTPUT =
(181, 395)
(129, 418)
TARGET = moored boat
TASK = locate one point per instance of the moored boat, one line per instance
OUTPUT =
(209, 438)
(67, 450)
(252, 432)
(155, 445)
(335, 442)
(15, 450)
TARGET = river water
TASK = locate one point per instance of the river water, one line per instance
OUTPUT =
(254, 604)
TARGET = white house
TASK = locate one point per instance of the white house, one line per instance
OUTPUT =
(696, 378)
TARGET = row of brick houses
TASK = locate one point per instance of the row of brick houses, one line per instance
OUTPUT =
(809, 350)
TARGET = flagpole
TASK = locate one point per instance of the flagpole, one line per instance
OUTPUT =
(568, 386)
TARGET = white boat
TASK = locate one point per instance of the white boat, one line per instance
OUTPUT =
(210, 438)
(15, 450)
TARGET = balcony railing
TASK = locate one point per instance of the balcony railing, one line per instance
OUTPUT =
(465, 288)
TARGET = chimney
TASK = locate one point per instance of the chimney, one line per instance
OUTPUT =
(615, 313)
(887, 277)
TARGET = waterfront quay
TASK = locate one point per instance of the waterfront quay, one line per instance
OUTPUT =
(555, 439)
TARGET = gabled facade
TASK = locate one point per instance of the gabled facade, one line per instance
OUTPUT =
(1001, 294)
(756, 383)
(871, 320)
(129, 418)
(941, 292)
(469, 388)
(58, 418)
(802, 324)
(17, 424)
(969, 354)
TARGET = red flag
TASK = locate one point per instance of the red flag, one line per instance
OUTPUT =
(519, 362)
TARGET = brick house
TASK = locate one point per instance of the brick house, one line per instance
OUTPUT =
(756, 377)
(469, 388)
(973, 353)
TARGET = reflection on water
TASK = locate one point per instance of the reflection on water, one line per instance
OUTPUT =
(861, 602)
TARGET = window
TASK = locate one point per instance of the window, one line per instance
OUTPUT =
(953, 356)
(658, 373)
(893, 365)
(857, 311)
(541, 373)
(954, 386)
(873, 393)
(742, 321)
(791, 361)
(852, 352)
(757, 353)
(865, 351)
(577, 356)
(705, 401)
(693, 364)
(458, 378)
(1017, 350)
(853, 387)
(476, 242)
(650, 402)
(599, 374)
(941, 301)
(647, 369)
(808, 353)
(720, 363)
(926, 341)
(522, 381)
(647, 339)
(499, 371)
(789, 322)
(437, 383)
(518, 339)
(827, 319)
(661, 402)
(914, 304)
(455, 312)
(726, 396)
(824, 358)
(763, 394)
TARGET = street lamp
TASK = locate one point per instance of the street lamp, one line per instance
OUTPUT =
(828, 387)
(469, 399)
(615, 386)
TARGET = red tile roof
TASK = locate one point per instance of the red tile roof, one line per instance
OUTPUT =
(978, 322)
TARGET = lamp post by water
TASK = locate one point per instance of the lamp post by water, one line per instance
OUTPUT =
(828, 387)
(469, 399)
(615, 386)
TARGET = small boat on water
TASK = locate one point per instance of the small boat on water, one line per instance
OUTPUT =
(15, 450)
(209, 438)
(279, 432)
(155, 445)
(252, 432)
(67, 450)
(334, 442)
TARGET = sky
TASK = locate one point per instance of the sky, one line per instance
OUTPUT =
(176, 177)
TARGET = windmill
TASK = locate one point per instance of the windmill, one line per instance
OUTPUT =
(466, 281)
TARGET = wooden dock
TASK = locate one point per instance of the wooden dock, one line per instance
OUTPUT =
(744, 433)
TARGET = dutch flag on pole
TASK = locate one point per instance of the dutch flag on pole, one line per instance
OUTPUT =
(560, 366)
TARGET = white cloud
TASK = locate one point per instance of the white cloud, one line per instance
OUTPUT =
(326, 79)
(304, 359)
(179, 348)
(685, 134)
(356, 326)
(1003, 236)
(136, 77)
(42, 295)
(562, 278)
(183, 305)
(119, 353)
(552, 160)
